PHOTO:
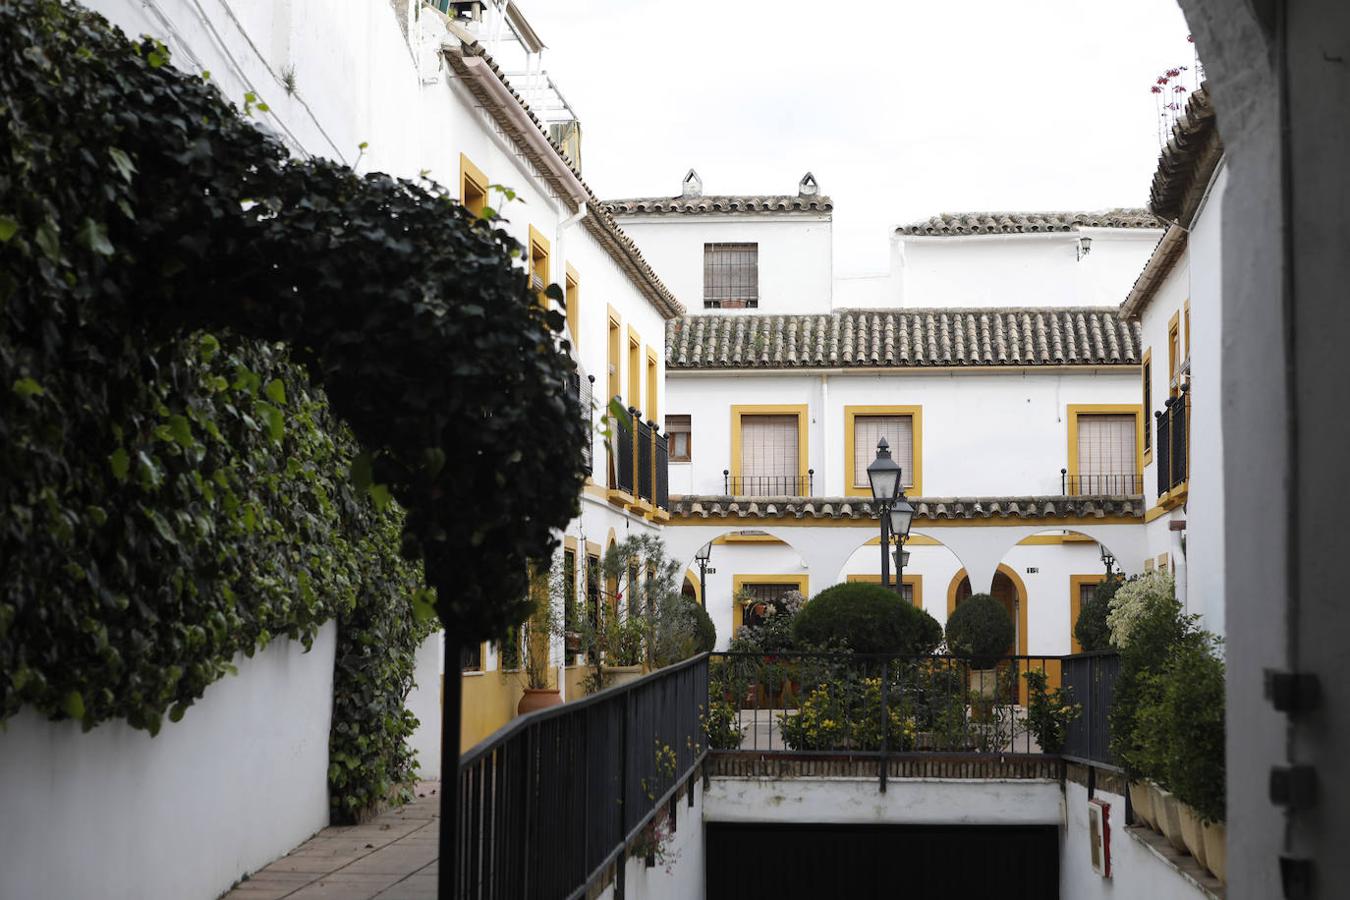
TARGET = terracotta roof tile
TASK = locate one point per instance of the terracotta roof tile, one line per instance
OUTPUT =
(750, 203)
(962, 224)
(694, 507)
(903, 338)
(1187, 162)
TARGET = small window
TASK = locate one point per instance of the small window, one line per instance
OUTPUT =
(473, 186)
(572, 297)
(539, 270)
(1148, 401)
(634, 371)
(471, 658)
(677, 429)
(730, 276)
(570, 597)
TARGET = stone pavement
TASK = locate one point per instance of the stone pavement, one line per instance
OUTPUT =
(392, 857)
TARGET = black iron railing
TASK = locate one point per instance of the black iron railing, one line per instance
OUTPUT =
(552, 800)
(1092, 678)
(586, 397)
(621, 459)
(768, 485)
(1123, 484)
(644, 456)
(1171, 456)
(661, 464)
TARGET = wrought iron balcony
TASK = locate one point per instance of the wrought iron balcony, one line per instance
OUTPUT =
(1124, 484)
(768, 485)
(1172, 455)
(638, 461)
(582, 386)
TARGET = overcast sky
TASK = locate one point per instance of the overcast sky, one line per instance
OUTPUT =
(902, 109)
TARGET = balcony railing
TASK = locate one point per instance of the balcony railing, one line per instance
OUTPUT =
(1171, 456)
(1123, 484)
(768, 485)
(582, 387)
(1092, 679)
(638, 467)
(661, 464)
(623, 461)
(644, 456)
(549, 803)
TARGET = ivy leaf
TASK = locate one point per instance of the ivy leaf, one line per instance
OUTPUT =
(8, 228)
(380, 494)
(276, 422)
(94, 235)
(621, 414)
(181, 431)
(120, 463)
(424, 604)
(73, 705)
(125, 167)
(276, 391)
(27, 387)
(49, 240)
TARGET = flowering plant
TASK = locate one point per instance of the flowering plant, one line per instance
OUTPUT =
(1133, 602)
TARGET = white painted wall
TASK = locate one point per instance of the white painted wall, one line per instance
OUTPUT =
(1135, 871)
(995, 434)
(115, 813)
(681, 877)
(424, 701)
(794, 255)
(907, 801)
(1019, 270)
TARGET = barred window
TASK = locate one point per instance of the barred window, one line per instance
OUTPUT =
(730, 275)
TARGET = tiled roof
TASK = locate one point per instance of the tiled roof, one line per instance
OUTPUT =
(925, 508)
(598, 221)
(753, 203)
(959, 224)
(903, 338)
(1187, 162)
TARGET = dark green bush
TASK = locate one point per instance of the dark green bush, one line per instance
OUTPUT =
(1090, 629)
(867, 618)
(705, 631)
(1191, 717)
(980, 629)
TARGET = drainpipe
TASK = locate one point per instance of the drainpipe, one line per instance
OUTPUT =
(558, 242)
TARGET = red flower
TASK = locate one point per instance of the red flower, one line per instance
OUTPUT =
(1155, 89)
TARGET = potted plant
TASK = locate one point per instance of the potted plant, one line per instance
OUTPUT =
(980, 631)
(541, 690)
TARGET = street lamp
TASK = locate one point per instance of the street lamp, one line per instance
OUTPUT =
(1108, 560)
(884, 477)
(701, 557)
(901, 515)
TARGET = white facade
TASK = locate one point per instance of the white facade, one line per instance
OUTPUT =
(118, 814)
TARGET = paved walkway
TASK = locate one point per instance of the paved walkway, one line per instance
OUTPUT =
(392, 858)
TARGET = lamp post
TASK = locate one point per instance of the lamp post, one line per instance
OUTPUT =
(901, 515)
(1108, 560)
(884, 477)
(701, 557)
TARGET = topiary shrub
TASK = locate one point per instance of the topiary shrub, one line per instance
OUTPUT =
(1091, 629)
(705, 632)
(1190, 715)
(980, 629)
(867, 618)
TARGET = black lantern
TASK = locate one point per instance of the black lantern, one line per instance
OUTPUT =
(701, 557)
(884, 474)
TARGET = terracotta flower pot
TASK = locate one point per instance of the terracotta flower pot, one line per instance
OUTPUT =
(1141, 800)
(1216, 850)
(538, 698)
(617, 675)
(1192, 832)
(1171, 821)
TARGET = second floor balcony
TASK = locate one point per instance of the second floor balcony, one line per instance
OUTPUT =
(768, 485)
(639, 462)
(1172, 455)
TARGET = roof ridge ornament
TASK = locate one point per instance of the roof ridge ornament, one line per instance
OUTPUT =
(808, 186)
(692, 186)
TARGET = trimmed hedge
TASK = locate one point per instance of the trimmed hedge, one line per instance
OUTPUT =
(705, 631)
(1091, 629)
(867, 618)
(980, 629)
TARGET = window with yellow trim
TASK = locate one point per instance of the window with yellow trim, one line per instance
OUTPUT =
(769, 451)
(612, 382)
(539, 271)
(1174, 355)
(1148, 405)
(912, 584)
(1105, 450)
(572, 300)
(754, 594)
(653, 385)
(864, 426)
(1082, 588)
(634, 370)
(473, 186)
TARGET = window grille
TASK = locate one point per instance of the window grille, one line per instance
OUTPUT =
(731, 275)
(898, 432)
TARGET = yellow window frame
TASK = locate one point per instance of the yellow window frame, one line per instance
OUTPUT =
(1146, 394)
(801, 582)
(915, 414)
(914, 581)
(572, 300)
(1105, 409)
(613, 382)
(473, 186)
(739, 411)
(539, 263)
(634, 369)
(653, 385)
(1174, 355)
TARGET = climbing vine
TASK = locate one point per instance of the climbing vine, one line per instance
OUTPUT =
(175, 491)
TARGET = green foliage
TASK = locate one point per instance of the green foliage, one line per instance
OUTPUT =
(979, 629)
(705, 632)
(1091, 629)
(720, 725)
(1134, 600)
(1049, 711)
(867, 618)
(847, 714)
(1191, 716)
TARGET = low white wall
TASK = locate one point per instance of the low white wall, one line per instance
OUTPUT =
(857, 801)
(1135, 870)
(424, 701)
(115, 813)
(681, 876)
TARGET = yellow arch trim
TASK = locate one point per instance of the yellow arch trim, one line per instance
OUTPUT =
(1022, 600)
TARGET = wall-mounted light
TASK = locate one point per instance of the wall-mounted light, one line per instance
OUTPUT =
(1084, 247)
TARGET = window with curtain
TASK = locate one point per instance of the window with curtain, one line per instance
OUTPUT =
(769, 454)
(898, 432)
(1106, 454)
(730, 275)
(678, 430)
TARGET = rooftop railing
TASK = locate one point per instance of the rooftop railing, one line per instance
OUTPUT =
(1113, 485)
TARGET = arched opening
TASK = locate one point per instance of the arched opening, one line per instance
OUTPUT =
(1009, 590)
(690, 588)
(748, 570)
(930, 564)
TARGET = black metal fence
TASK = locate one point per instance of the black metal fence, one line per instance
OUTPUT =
(1116, 485)
(662, 464)
(1171, 457)
(1092, 679)
(622, 461)
(553, 799)
(768, 485)
(645, 475)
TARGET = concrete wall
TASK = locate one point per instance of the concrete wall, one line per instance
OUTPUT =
(1136, 872)
(794, 255)
(115, 813)
(998, 434)
(424, 701)
(857, 801)
(681, 876)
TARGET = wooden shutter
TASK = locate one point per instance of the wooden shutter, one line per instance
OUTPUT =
(769, 447)
(1106, 457)
(898, 432)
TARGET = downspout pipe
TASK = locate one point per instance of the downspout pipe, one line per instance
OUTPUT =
(559, 244)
